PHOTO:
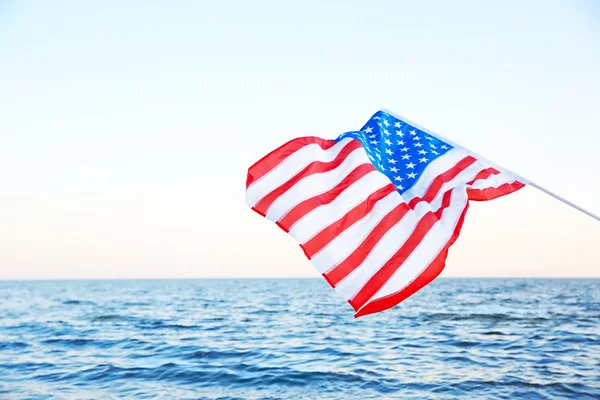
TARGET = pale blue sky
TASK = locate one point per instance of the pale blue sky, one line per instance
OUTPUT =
(126, 128)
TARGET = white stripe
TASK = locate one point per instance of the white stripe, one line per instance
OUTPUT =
(465, 176)
(494, 181)
(346, 242)
(316, 184)
(433, 170)
(387, 246)
(289, 167)
(324, 215)
(428, 249)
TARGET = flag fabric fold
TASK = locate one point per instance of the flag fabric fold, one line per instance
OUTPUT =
(375, 210)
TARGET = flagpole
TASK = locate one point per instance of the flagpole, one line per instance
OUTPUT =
(519, 178)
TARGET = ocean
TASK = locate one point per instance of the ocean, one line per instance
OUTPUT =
(297, 339)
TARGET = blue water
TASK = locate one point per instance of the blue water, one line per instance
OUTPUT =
(296, 339)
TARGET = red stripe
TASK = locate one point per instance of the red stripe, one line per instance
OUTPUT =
(271, 160)
(323, 238)
(395, 262)
(486, 173)
(307, 206)
(346, 267)
(428, 275)
(312, 168)
(258, 212)
(494, 193)
(439, 181)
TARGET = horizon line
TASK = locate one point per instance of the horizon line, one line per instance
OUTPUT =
(271, 278)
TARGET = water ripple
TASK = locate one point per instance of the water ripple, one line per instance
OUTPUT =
(295, 339)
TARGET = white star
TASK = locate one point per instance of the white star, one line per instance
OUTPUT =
(398, 178)
(386, 132)
(410, 165)
(369, 129)
(391, 161)
(413, 132)
(434, 152)
(397, 125)
(372, 136)
(412, 175)
(400, 187)
(423, 159)
(389, 151)
(444, 147)
(386, 123)
(375, 142)
(418, 144)
(405, 157)
(416, 138)
(387, 141)
(399, 133)
(380, 126)
(394, 169)
(371, 157)
(378, 156)
(422, 152)
(400, 142)
(376, 118)
(428, 138)
(404, 149)
(432, 146)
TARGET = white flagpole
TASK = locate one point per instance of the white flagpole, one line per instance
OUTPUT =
(519, 178)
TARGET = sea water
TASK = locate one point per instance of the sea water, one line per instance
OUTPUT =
(297, 339)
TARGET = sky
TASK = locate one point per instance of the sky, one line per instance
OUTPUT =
(126, 128)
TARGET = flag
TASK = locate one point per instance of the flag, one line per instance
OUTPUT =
(375, 210)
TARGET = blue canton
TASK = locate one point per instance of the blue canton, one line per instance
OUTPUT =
(397, 149)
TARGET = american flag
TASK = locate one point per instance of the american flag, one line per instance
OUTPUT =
(375, 210)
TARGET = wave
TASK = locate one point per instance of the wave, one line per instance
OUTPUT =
(163, 325)
(109, 317)
(12, 345)
(215, 355)
(242, 375)
(76, 302)
(483, 317)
